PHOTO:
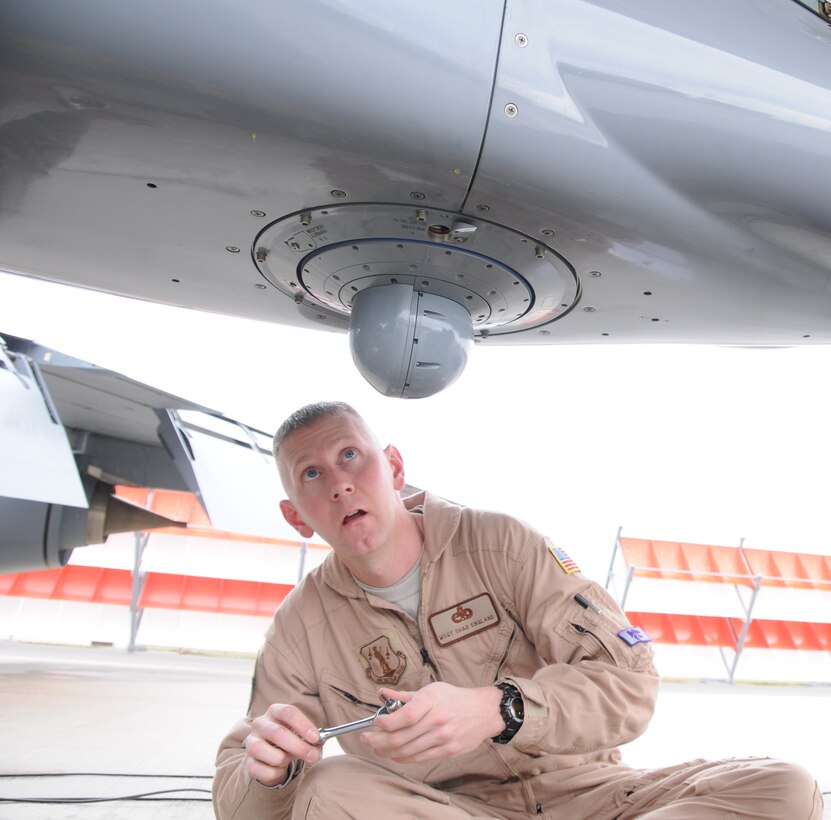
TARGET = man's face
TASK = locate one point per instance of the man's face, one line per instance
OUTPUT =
(341, 485)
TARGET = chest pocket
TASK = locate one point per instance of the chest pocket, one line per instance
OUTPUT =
(344, 699)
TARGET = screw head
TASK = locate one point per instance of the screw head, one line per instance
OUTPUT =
(259, 286)
(338, 194)
(521, 40)
(589, 309)
(511, 110)
(596, 274)
(416, 195)
(547, 232)
(483, 208)
(257, 213)
(232, 249)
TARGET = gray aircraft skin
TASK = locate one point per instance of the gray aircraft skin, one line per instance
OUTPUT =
(568, 171)
(504, 173)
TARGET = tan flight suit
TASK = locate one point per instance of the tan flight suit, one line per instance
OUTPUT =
(497, 603)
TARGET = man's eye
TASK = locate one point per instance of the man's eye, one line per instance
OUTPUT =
(349, 454)
(310, 474)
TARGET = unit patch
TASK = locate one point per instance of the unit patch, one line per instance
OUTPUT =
(567, 565)
(634, 635)
(463, 620)
(384, 662)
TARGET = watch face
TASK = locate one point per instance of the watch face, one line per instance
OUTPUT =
(512, 709)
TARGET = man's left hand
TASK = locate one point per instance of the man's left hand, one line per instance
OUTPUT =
(437, 721)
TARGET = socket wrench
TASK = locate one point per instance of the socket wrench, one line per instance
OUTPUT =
(333, 731)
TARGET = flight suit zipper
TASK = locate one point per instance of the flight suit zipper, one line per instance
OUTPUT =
(426, 659)
(415, 634)
(505, 653)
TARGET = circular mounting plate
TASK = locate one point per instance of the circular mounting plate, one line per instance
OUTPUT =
(507, 281)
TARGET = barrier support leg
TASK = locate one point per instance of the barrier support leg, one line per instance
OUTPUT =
(611, 572)
(141, 539)
(745, 627)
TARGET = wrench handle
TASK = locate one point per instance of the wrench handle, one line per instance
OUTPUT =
(343, 729)
(334, 731)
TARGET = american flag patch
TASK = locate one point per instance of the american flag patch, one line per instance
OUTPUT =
(562, 559)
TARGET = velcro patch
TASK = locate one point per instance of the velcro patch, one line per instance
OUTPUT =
(633, 635)
(567, 565)
(463, 620)
(384, 658)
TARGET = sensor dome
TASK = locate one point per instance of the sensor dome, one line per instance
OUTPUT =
(408, 344)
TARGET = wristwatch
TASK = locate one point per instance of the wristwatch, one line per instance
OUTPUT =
(512, 709)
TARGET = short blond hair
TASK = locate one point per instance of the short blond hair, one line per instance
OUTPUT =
(308, 415)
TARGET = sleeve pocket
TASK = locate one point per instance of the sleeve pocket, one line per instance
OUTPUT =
(605, 635)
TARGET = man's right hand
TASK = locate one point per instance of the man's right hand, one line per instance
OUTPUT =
(276, 738)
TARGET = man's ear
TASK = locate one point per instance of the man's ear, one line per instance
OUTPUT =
(396, 465)
(293, 518)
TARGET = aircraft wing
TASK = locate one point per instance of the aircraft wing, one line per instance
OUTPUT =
(70, 431)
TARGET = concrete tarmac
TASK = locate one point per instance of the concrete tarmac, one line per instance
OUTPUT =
(88, 712)
(114, 724)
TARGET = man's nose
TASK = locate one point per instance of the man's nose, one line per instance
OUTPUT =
(341, 486)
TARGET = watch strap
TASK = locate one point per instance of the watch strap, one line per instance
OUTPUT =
(512, 716)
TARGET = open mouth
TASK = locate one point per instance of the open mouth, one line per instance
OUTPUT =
(354, 516)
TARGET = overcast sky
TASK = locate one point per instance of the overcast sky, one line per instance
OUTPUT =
(684, 443)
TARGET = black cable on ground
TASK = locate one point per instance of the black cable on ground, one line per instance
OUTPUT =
(110, 774)
(141, 797)
(149, 796)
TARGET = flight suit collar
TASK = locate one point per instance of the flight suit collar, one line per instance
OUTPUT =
(440, 522)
